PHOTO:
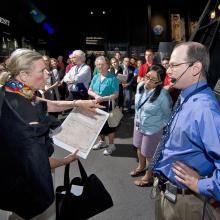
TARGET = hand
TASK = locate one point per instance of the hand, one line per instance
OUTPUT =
(71, 157)
(90, 105)
(186, 175)
(60, 83)
(99, 99)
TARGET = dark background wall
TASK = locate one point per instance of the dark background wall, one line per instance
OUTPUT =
(129, 23)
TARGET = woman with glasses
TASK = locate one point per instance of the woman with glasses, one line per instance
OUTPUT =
(152, 111)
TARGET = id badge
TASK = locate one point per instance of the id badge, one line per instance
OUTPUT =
(170, 192)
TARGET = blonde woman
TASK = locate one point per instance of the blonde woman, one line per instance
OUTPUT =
(26, 148)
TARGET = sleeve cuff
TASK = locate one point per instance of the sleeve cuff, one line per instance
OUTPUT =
(204, 187)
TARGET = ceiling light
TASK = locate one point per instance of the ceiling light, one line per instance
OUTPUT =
(212, 15)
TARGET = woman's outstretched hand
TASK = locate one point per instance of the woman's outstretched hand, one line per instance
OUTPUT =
(90, 105)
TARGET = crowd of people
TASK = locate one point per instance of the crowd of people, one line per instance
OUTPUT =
(176, 118)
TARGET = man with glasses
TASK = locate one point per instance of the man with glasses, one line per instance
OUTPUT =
(187, 160)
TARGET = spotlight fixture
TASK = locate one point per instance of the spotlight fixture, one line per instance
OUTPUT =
(212, 15)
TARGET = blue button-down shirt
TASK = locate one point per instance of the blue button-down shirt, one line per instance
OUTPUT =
(195, 140)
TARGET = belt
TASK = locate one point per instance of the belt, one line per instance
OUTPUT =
(163, 181)
(184, 191)
(214, 203)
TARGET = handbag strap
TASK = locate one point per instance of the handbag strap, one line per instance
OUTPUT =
(82, 171)
(111, 102)
(66, 176)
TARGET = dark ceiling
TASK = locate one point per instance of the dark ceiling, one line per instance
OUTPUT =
(72, 21)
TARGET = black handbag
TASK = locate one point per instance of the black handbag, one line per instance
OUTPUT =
(93, 200)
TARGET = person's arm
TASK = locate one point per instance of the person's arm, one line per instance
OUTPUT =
(67, 77)
(115, 91)
(58, 106)
(56, 84)
(109, 97)
(210, 186)
(99, 98)
(83, 75)
(54, 162)
(92, 93)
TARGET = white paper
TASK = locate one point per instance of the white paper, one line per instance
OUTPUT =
(122, 78)
(80, 130)
(76, 190)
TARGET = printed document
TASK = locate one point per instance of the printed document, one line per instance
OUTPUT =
(80, 130)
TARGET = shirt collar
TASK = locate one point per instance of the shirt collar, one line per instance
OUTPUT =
(79, 65)
(184, 93)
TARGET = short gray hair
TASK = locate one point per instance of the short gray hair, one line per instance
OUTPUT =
(80, 54)
(102, 58)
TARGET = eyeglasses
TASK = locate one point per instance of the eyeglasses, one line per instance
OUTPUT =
(154, 80)
(171, 65)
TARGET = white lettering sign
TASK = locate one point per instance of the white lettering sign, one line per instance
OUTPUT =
(4, 21)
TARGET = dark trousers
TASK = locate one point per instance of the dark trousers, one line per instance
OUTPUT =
(120, 96)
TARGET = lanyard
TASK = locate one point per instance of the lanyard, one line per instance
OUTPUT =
(141, 104)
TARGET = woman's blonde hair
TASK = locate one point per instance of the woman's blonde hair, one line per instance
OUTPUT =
(20, 60)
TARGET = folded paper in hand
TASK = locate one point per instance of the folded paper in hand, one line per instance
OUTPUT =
(122, 77)
(80, 130)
